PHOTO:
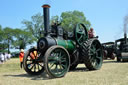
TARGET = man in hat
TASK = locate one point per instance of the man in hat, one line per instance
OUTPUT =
(21, 55)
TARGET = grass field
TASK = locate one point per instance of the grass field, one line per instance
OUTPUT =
(111, 73)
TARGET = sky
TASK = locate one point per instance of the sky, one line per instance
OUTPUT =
(106, 16)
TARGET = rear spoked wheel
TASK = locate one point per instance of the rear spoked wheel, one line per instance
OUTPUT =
(94, 58)
(57, 61)
(31, 62)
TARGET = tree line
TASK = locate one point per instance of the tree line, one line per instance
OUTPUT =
(19, 38)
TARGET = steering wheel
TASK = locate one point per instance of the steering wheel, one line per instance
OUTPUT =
(80, 33)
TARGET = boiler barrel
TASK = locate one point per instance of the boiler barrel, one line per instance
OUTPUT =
(46, 42)
(68, 44)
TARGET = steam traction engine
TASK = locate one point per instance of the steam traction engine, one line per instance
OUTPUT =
(121, 48)
(58, 52)
(109, 50)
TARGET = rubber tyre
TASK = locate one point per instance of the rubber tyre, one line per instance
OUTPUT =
(88, 58)
(73, 67)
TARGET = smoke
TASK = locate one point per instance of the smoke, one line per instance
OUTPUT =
(119, 34)
(125, 24)
(123, 29)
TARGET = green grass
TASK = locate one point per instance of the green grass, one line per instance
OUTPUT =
(10, 66)
(111, 73)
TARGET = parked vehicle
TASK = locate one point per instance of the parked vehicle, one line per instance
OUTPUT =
(57, 52)
(108, 50)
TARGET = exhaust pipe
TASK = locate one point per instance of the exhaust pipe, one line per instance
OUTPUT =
(46, 19)
(125, 37)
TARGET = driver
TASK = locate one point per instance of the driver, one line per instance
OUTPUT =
(91, 33)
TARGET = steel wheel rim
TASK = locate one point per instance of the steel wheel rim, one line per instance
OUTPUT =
(58, 62)
(96, 54)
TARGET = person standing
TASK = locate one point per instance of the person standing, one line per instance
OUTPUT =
(9, 55)
(21, 55)
(6, 56)
(2, 58)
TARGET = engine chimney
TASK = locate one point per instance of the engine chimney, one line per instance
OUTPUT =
(46, 18)
(125, 30)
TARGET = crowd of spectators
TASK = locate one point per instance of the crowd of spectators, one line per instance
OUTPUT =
(4, 57)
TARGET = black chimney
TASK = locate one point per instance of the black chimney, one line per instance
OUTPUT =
(125, 37)
(46, 18)
(125, 30)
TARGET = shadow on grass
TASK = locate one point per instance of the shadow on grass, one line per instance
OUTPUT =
(80, 69)
(105, 62)
(42, 76)
(113, 61)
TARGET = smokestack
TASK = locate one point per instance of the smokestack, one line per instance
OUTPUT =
(125, 33)
(46, 18)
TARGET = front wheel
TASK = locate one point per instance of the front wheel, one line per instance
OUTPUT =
(57, 61)
(31, 62)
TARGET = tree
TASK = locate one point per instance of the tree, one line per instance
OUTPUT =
(54, 19)
(35, 26)
(1, 33)
(14, 38)
(7, 37)
(22, 38)
(0, 27)
(69, 19)
(2, 44)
